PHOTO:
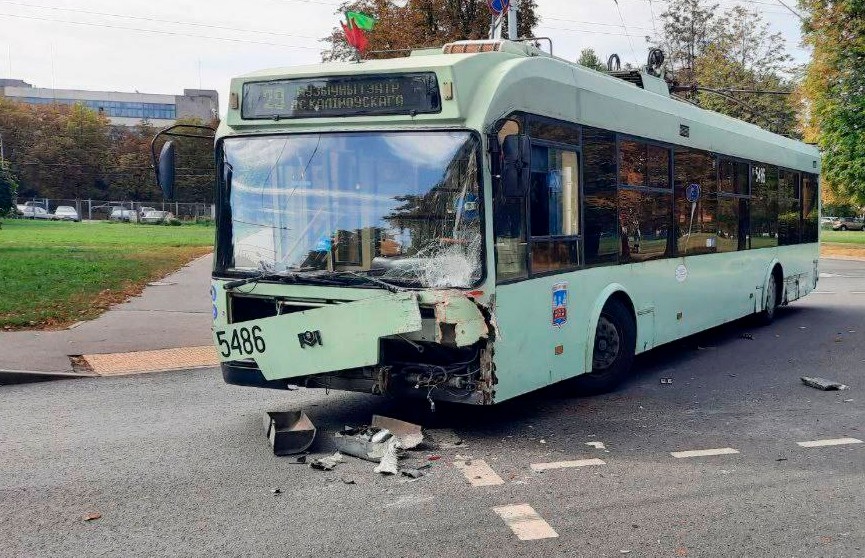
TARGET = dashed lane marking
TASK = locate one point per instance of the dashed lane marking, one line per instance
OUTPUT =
(857, 292)
(823, 292)
(525, 522)
(832, 442)
(703, 453)
(478, 473)
(541, 467)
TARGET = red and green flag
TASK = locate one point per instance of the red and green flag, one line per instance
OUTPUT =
(356, 25)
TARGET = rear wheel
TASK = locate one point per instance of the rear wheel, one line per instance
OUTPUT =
(843, 228)
(613, 351)
(770, 301)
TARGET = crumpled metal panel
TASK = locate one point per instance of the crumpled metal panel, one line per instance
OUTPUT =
(325, 339)
(459, 320)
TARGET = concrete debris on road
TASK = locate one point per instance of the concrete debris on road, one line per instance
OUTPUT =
(327, 463)
(596, 445)
(92, 516)
(823, 384)
(389, 464)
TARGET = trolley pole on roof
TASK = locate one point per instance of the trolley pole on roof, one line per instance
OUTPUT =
(513, 10)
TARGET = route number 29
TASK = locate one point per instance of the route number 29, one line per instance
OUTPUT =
(245, 341)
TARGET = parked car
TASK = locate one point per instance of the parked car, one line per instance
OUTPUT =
(849, 224)
(828, 220)
(155, 217)
(143, 210)
(66, 213)
(36, 212)
(119, 213)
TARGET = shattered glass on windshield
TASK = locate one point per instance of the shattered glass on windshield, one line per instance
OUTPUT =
(403, 207)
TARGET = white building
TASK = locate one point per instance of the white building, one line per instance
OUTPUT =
(122, 109)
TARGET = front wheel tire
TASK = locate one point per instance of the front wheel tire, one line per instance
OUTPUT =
(613, 351)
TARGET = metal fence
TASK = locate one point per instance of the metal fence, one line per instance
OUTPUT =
(102, 210)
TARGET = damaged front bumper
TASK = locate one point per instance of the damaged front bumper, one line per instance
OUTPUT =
(432, 344)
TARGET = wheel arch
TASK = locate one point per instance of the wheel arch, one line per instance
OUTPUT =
(776, 268)
(612, 291)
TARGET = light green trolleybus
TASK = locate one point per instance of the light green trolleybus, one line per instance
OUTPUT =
(472, 223)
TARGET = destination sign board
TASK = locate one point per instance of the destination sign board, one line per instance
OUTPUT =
(386, 94)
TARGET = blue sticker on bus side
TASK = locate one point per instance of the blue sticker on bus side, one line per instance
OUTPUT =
(692, 193)
(560, 304)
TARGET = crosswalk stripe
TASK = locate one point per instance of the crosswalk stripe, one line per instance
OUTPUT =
(478, 473)
(703, 453)
(541, 467)
(832, 442)
(525, 522)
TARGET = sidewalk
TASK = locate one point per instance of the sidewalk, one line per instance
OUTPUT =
(173, 312)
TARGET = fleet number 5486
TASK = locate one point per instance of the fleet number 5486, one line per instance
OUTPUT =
(245, 341)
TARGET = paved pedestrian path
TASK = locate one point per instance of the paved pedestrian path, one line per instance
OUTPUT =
(171, 313)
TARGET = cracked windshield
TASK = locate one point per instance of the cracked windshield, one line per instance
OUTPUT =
(400, 207)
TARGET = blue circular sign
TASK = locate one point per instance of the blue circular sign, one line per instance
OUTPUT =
(213, 293)
(692, 193)
(498, 6)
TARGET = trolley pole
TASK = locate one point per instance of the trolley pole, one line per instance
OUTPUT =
(513, 11)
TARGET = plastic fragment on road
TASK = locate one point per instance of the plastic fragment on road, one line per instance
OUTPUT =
(389, 464)
(409, 435)
(289, 432)
(327, 463)
(596, 445)
(443, 438)
(823, 384)
(365, 442)
(666, 381)
(412, 473)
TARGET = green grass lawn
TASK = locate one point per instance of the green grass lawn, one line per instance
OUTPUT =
(843, 237)
(53, 274)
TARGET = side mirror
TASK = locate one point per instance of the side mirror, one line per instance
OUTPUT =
(516, 152)
(165, 172)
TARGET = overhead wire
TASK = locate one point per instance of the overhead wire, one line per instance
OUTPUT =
(156, 31)
(625, 29)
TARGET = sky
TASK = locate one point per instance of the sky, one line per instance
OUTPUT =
(164, 46)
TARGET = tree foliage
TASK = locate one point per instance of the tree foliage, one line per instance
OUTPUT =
(589, 59)
(834, 93)
(8, 189)
(73, 152)
(727, 50)
(422, 23)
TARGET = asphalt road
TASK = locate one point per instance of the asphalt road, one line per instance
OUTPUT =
(177, 465)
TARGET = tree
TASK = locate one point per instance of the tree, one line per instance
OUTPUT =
(589, 59)
(729, 50)
(834, 93)
(423, 23)
(8, 190)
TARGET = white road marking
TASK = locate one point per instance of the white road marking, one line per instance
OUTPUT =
(478, 473)
(857, 292)
(541, 467)
(833, 442)
(823, 292)
(827, 275)
(525, 522)
(703, 453)
(596, 445)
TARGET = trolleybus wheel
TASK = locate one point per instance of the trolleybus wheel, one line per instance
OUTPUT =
(770, 304)
(613, 352)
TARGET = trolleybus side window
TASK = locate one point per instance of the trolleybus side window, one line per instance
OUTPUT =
(600, 221)
(644, 201)
(509, 221)
(764, 206)
(696, 204)
(810, 208)
(733, 218)
(788, 207)
(554, 209)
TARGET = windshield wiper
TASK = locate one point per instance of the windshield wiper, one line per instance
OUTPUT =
(294, 277)
(371, 280)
